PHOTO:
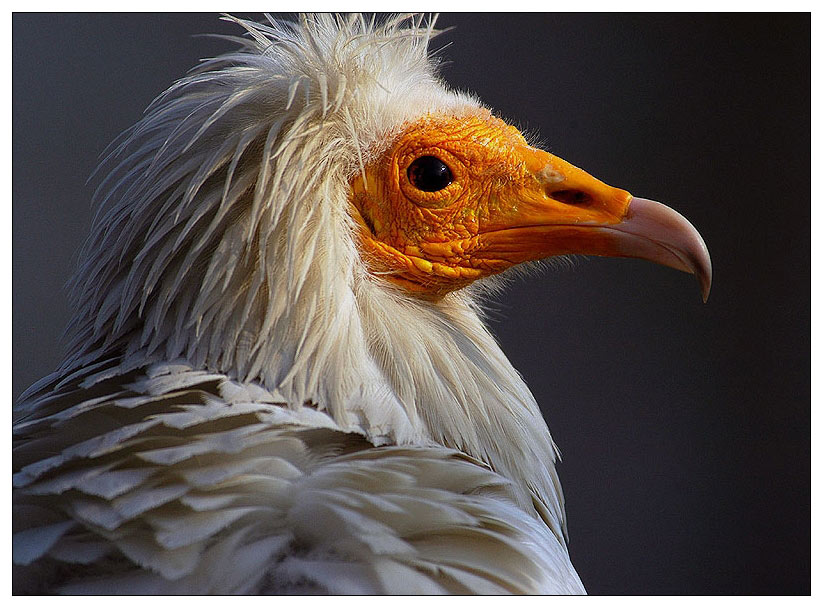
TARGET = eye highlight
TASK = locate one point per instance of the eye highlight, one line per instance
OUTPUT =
(429, 174)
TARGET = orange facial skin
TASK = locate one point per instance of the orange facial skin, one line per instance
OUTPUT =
(486, 219)
(506, 203)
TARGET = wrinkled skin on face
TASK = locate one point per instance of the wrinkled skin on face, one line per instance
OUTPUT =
(495, 202)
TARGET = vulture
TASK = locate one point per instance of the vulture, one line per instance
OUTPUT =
(278, 378)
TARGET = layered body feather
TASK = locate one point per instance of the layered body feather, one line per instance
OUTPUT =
(240, 389)
(185, 481)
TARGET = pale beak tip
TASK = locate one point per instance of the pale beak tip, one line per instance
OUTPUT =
(705, 286)
(702, 269)
(668, 238)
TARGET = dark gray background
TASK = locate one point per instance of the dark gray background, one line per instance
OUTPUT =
(684, 427)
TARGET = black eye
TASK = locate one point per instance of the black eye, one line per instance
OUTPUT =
(429, 174)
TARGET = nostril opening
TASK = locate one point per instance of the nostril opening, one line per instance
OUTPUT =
(571, 197)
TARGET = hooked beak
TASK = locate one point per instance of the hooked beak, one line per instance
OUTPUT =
(564, 210)
(652, 231)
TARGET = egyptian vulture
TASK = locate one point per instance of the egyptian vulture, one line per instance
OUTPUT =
(278, 378)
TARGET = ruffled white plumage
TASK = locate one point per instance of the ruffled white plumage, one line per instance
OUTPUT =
(193, 478)
(240, 390)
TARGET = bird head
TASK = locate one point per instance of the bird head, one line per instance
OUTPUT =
(307, 212)
(456, 198)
